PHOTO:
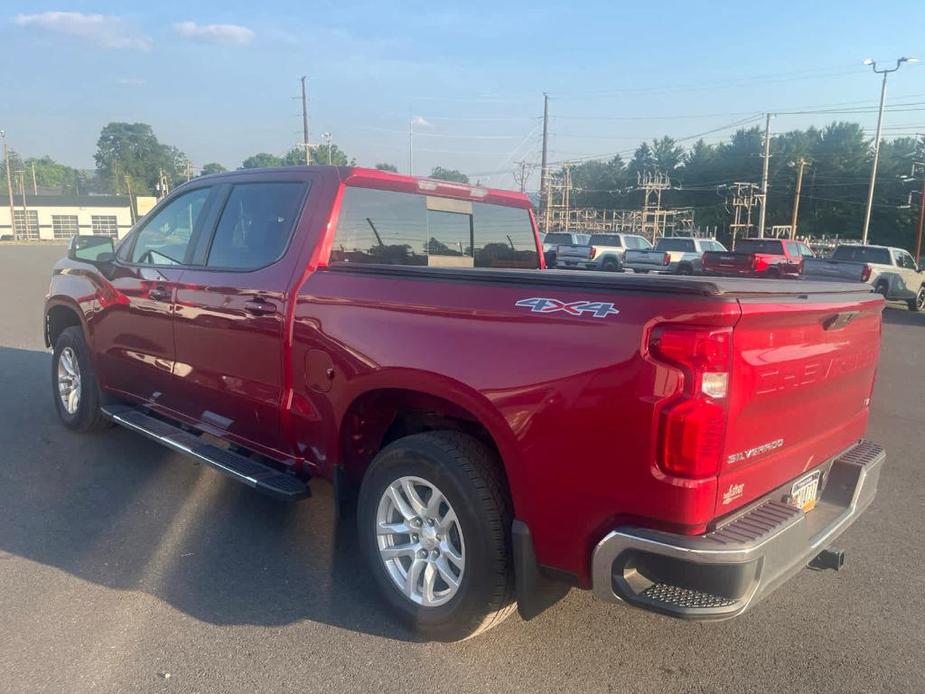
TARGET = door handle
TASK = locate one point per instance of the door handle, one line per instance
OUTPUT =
(159, 293)
(260, 307)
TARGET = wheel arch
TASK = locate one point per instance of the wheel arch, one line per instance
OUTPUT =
(62, 313)
(391, 409)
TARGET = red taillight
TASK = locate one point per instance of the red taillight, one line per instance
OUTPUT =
(666, 259)
(759, 263)
(865, 273)
(692, 423)
(592, 253)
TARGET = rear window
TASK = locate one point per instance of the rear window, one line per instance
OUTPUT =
(605, 240)
(711, 245)
(863, 254)
(771, 246)
(558, 239)
(684, 245)
(378, 226)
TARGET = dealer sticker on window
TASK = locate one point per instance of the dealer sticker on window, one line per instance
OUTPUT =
(804, 492)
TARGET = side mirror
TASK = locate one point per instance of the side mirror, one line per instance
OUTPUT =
(91, 249)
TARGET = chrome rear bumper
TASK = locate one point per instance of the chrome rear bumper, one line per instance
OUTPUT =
(720, 574)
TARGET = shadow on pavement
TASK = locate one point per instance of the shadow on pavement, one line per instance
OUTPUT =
(902, 316)
(121, 511)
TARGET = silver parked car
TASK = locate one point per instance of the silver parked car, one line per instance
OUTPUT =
(601, 252)
(679, 255)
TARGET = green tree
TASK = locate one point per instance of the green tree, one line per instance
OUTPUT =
(50, 174)
(321, 153)
(387, 167)
(131, 150)
(448, 175)
(262, 160)
(212, 168)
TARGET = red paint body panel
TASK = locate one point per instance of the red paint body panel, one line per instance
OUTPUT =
(570, 401)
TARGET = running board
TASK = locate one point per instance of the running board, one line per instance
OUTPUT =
(259, 476)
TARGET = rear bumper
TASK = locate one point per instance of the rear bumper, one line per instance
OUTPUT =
(720, 574)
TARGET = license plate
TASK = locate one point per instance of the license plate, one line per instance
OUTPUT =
(803, 493)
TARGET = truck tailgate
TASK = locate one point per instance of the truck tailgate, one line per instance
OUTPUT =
(802, 377)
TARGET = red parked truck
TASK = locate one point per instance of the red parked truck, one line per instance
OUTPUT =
(770, 258)
(680, 444)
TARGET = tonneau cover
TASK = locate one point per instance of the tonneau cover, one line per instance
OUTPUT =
(731, 287)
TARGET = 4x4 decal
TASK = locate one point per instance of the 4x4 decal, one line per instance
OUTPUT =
(598, 309)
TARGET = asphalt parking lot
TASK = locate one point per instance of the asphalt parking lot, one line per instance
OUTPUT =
(126, 568)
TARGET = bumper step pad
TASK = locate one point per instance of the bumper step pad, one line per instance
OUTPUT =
(253, 473)
(676, 596)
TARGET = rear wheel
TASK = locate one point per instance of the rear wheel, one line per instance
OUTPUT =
(434, 525)
(610, 265)
(882, 289)
(685, 270)
(918, 303)
(773, 273)
(74, 385)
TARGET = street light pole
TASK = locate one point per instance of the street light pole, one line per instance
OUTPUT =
(873, 172)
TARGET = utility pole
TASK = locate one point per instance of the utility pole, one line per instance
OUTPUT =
(131, 206)
(920, 165)
(305, 121)
(522, 177)
(764, 175)
(873, 171)
(189, 170)
(796, 198)
(25, 210)
(35, 186)
(9, 179)
(544, 172)
(411, 147)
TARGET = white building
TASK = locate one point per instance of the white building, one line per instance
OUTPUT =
(50, 217)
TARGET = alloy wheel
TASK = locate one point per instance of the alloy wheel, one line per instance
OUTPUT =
(420, 541)
(69, 380)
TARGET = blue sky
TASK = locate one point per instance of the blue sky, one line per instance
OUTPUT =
(217, 79)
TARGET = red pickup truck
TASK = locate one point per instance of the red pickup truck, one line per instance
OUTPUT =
(504, 432)
(759, 258)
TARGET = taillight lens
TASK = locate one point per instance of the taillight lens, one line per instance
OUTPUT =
(759, 263)
(692, 423)
(592, 253)
(666, 259)
(865, 273)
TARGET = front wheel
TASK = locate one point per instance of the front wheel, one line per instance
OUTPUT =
(918, 303)
(434, 521)
(73, 381)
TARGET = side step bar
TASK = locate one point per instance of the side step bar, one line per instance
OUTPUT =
(263, 478)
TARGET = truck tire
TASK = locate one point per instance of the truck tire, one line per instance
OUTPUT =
(610, 265)
(685, 269)
(434, 519)
(74, 385)
(882, 289)
(772, 273)
(918, 303)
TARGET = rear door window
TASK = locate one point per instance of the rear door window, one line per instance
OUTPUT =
(393, 228)
(256, 224)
